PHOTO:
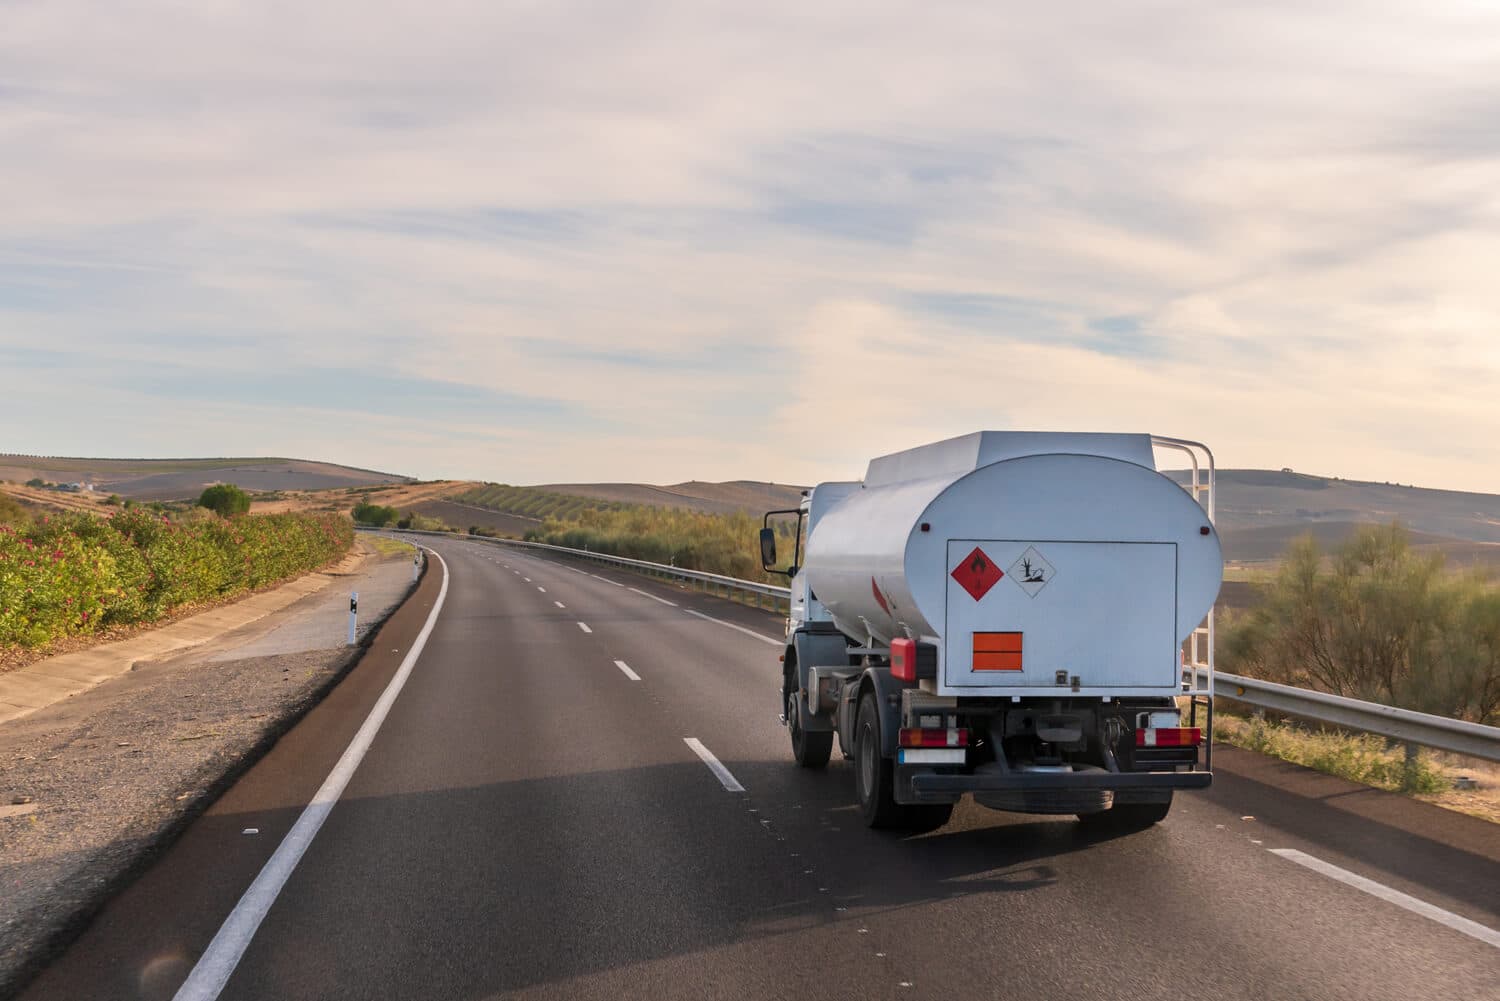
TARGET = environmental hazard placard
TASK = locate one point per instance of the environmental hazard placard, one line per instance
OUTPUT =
(1031, 571)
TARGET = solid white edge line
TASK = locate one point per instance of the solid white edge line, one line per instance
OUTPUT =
(585, 627)
(217, 964)
(559, 604)
(647, 594)
(606, 580)
(628, 672)
(1473, 929)
(725, 777)
(738, 629)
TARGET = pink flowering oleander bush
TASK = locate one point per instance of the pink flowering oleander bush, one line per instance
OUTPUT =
(75, 574)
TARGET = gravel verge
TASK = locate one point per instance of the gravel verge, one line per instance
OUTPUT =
(92, 792)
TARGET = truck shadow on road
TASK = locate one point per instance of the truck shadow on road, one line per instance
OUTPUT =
(600, 882)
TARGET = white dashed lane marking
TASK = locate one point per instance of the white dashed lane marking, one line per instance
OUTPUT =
(585, 627)
(653, 597)
(739, 629)
(725, 776)
(559, 604)
(626, 669)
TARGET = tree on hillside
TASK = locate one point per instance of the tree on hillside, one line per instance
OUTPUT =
(225, 500)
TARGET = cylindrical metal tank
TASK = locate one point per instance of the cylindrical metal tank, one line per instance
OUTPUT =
(882, 559)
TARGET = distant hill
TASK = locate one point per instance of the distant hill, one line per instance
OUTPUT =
(697, 495)
(1261, 511)
(177, 479)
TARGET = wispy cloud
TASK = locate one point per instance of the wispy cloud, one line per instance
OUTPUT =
(655, 241)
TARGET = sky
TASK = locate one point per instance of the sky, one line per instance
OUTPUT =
(559, 241)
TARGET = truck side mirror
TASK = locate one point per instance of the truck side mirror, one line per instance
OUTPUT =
(767, 549)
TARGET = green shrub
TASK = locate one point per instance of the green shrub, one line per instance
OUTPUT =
(78, 573)
(1379, 621)
(366, 513)
(225, 500)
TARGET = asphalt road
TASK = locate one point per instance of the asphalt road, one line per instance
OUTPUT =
(531, 821)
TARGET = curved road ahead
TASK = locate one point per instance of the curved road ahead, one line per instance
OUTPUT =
(533, 819)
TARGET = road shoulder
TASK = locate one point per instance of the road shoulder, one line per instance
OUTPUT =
(97, 785)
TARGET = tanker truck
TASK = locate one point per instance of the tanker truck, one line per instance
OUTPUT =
(1025, 617)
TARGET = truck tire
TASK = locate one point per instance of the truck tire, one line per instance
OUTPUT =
(874, 780)
(811, 749)
(1126, 817)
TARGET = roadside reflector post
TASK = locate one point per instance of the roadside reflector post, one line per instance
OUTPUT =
(416, 563)
(353, 614)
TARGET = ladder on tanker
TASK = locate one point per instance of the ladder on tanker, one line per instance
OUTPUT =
(1198, 658)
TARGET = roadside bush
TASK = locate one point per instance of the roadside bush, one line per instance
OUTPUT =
(225, 499)
(366, 513)
(11, 511)
(717, 543)
(423, 523)
(80, 573)
(1376, 620)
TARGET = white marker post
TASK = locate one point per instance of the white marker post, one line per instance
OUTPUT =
(416, 563)
(353, 614)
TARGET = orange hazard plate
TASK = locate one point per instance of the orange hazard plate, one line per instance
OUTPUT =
(997, 651)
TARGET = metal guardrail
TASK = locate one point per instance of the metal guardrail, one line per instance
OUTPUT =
(709, 581)
(1404, 725)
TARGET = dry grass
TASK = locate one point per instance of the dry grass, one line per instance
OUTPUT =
(56, 500)
(386, 546)
(1367, 760)
(400, 496)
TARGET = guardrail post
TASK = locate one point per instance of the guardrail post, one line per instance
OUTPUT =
(1409, 768)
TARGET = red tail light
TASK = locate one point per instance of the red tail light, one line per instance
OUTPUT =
(1169, 736)
(951, 737)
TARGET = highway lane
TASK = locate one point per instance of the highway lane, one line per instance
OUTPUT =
(1202, 885)
(530, 822)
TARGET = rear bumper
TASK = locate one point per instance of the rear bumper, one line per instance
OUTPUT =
(922, 786)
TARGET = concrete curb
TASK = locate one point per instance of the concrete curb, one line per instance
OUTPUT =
(45, 682)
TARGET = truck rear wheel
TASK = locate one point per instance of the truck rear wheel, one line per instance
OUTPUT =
(874, 780)
(811, 748)
(1124, 817)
